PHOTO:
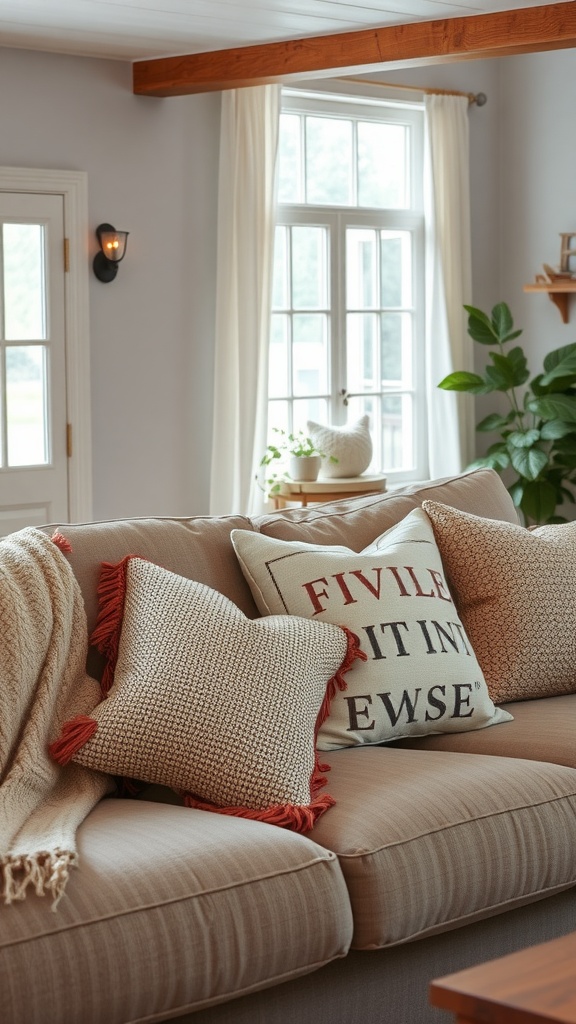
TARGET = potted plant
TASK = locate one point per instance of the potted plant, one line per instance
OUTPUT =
(297, 453)
(538, 430)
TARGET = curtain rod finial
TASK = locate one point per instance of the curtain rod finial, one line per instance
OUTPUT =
(480, 99)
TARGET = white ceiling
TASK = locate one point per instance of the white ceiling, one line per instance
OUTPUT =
(136, 29)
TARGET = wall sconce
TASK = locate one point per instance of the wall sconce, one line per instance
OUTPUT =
(112, 250)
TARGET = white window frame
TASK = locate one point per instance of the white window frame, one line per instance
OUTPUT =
(337, 219)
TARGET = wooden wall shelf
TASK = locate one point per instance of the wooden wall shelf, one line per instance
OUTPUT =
(558, 291)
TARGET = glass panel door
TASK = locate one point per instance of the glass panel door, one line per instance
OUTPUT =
(24, 356)
(33, 452)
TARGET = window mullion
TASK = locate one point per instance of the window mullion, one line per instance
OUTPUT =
(338, 319)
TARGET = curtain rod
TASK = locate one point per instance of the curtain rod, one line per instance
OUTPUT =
(479, 98)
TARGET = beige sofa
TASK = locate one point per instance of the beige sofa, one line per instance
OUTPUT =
(439, 853)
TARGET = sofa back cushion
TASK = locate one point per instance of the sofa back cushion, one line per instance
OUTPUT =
(356, 522)
(198, 548)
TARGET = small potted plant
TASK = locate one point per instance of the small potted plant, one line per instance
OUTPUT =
(297, 453)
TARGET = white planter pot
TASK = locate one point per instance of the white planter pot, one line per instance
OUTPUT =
(305, 467)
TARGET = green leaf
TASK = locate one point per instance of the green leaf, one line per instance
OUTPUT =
(461, 380)
(494, 422)
(539, 501)
(480, 327)
(508, 371)
(523, 438)
(518, 361)
(502, 320)
(561, 362)
(498, 446)
(536, 389)
(516, 492)
(559, 384)
(501, 374)
(497, 457)
(511, 336)
(566, 444)
(552, 430)
(554, 407)
(528, 462)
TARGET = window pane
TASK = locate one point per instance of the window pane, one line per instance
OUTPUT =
(362, 352)
(289, 160)
(361, 268)
(395, 268)
(278, 356)
(24, 303)
(329, 161)
(309, 284)
(396, 348)
(309, 409)
(26, 405)
(280, 283)
(368, 405)
(397, 438)
(382, 152)
(278, 417)
(310, 354)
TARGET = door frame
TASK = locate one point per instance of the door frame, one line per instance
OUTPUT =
(73, 187)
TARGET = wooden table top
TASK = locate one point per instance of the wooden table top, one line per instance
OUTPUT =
(534, 986)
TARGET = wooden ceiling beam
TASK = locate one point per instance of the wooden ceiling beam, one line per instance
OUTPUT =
(395, 46)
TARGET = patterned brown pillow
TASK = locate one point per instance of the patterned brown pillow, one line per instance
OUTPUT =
(221, 708)
(515, 591)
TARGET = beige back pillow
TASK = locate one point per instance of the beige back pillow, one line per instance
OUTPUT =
(515, 591)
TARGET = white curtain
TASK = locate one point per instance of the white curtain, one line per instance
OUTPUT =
(448, 281)
(246, 218)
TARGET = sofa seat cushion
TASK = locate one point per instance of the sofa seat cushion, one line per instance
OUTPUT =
(171, 909)
(542, 730)
(429, 840)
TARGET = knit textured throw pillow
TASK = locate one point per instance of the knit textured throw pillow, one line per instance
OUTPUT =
(221, 708)
(347, 451)
(515, 590)
(421, 675)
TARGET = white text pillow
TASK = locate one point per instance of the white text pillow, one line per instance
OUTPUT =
(421, 675)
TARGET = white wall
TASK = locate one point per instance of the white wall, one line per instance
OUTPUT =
(538, 189)
(151, 167)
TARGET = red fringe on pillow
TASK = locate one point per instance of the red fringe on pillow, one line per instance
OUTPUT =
(61, 542)
(106, 634)
(338, 682)
(299, 817)
(74, 735)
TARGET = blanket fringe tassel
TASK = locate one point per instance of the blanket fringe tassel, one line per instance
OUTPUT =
(47, 873)
(73, 736)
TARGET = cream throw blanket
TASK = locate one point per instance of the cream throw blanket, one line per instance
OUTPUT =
(43, 682)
